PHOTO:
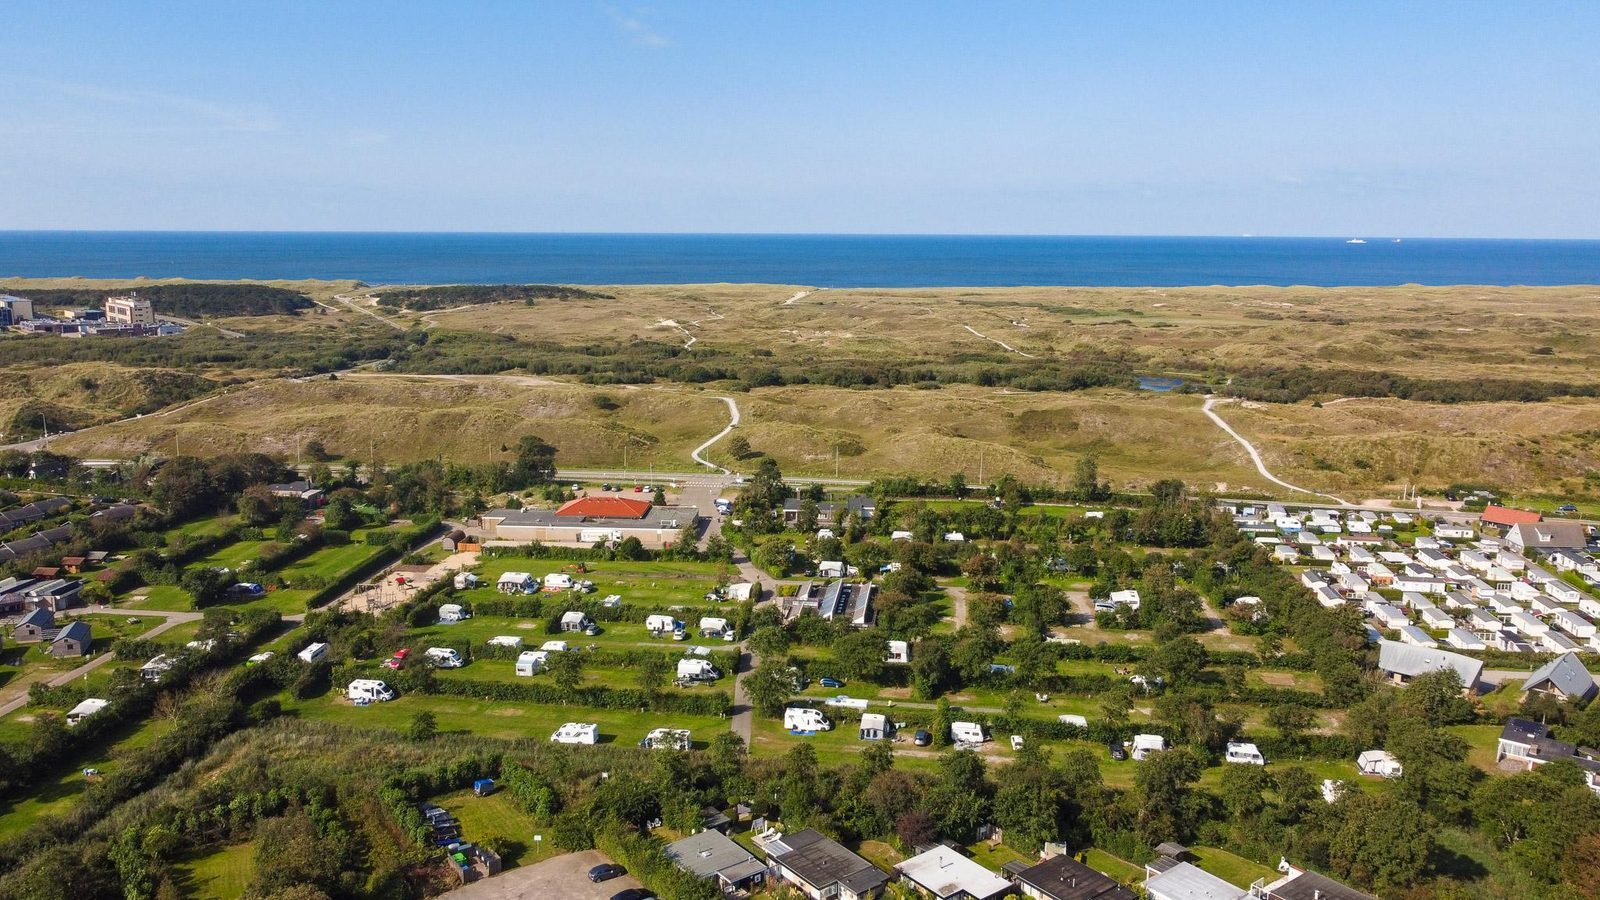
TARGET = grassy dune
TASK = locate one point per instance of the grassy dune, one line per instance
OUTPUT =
(407, 418)
(80, 394)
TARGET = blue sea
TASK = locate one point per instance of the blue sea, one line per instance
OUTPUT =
(819, 260)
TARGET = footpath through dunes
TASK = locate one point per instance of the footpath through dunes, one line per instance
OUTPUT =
(1255, 456)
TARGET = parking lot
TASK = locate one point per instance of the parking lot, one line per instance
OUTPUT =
(564, 877)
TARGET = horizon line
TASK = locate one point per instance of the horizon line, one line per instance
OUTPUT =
(806, 234)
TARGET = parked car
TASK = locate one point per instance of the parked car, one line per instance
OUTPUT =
(398, 660)
(633, 894)
(1118, 752)
(830, 682)
(638, 489)
(1566, 507)
(922, 738)
(606, 872)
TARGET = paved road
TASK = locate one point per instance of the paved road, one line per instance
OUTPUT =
(1255, 457)
(173, 620)
(744, 717)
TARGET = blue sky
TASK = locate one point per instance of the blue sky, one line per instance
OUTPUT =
(1416, 119)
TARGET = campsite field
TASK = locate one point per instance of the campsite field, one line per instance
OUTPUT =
(501, 719)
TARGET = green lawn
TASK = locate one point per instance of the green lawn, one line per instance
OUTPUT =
(1484, 740)
(1114, 866)
(56, 796)
(498, 822)
(1230, 867)
(221, 875)
(651, 585)
(502, 718)
(158, 596)
(211, 525)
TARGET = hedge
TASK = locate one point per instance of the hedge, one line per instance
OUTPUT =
(598, 697)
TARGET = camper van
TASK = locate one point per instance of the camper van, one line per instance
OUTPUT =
(666, 739)
(804, 718)
(529, 662)
(452, 612)
(966, 733)
(576, 733)
(1247, 754)
(444, 658)
(313, 652)
(697, 670)
(658, 624)
(1146, 744)
(367, 689)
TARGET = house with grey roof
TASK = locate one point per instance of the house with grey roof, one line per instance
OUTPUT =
(1547, 537)
(1530, 743)
(821, 867)
(35, 626)
(1564, 677)
(72, 640)
(713, 855)
(1064, 878)
(1186, 881)
(1299, 884)
(1403, 662)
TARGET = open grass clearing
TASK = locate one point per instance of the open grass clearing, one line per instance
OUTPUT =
(220, 875)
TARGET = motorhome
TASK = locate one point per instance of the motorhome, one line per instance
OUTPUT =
(697, 670)
(452, 612)
(368, 689)
(313, 652)
(530, 662)
(666, 739)
(804, 718)
(966, 733)
(1247, 754)
(444, 658)
(576, 733)
(1146, 744)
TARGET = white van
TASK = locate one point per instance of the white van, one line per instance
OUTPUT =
(1246, 754)
(529, 662)
(804, 718)
(313, 652)
(576, 733)
(966, 733)
(698, 670)
(453, 612)
(368, 689)
(666, 739)
(445, 658)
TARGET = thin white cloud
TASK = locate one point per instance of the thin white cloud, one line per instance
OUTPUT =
(634, 25)
(216, 115)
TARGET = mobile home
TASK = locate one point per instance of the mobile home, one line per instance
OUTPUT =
(805, 718)
(368, 689)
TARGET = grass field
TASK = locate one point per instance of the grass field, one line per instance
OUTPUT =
(497, 821)
(55, 797)
(501, 719)
(1230, 867)
(1115, 866)
(221, 875)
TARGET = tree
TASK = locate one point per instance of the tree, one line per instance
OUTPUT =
(206, 585)
(960, 796)
(424, 725)
(340, 514)
(535, 462)
(659, 498)
(982, 571)
(316, 452)
(1244, 790)
(1086, 479)
(566, 671)
(653, 673)
(800, 801)
(770, 686)
(1382, 840)
(1162, 796)
(860, 654)
(739, 447)
(258, 506)
(1180, 660)
(1291, 720)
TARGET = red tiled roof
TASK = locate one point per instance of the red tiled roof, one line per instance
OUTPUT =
(1505, 515)
(605, 508)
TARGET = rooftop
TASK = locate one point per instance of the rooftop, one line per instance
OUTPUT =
(604, 508)
(1064, 878)
(712, 852)
(947, 873)
(822, 861)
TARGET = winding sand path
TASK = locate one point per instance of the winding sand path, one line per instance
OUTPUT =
(733, 412)
(1000, 342)
(1255, 457)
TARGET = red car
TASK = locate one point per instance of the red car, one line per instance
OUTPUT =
(398, 660)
